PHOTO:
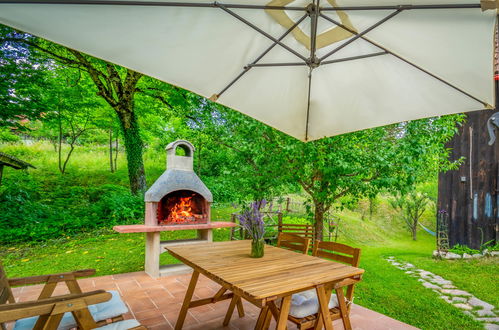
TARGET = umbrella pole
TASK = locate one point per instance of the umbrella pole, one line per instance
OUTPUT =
(496, 63)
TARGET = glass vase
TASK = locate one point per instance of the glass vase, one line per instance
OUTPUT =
(257, 248)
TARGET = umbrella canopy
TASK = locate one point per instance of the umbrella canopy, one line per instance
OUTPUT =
(310, 69)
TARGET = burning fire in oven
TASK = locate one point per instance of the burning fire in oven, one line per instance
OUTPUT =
(181, 210)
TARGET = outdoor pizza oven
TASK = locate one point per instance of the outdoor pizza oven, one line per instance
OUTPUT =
(178, 197)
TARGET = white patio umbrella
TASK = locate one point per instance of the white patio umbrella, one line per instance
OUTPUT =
(310, 69)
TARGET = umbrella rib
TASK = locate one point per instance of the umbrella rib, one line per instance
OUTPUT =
(408, 62)
(436, 6)
(308, 102)
(147, 3)
(354, 57)
(256, 28)
(361, 34)
(259, 65)
(252, 64)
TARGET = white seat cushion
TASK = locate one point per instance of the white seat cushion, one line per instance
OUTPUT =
(306, 303)
(102, 311)
(122, 325)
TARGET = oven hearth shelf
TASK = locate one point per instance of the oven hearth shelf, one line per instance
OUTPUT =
(127, 229)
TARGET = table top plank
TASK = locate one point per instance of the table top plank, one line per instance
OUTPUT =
(279, 273)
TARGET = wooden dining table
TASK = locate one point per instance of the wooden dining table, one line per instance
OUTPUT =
(263, 281)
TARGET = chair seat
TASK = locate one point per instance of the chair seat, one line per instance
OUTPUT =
(105, 310)
(121, 325)
(306, 303)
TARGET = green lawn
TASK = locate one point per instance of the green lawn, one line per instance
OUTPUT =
(384, 288)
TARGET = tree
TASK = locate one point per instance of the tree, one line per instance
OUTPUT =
(23, 82)
(357, 164)
(411, 206)
(116, 85)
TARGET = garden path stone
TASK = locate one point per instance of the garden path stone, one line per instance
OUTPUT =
(447, 299)
(485, 312)
(441, 281)
(456, 292)
(475, 302)
(465, 301)
(488, 319)
(464, 306)
(430, 285)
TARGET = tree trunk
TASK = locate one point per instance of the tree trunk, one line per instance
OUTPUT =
(60, 145)
(414, 230)
(134, 149)
(319, 220)
(116, 154)
(111, 167)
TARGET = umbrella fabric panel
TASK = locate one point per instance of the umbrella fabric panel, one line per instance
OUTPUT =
(204, 49)
(454, 44)
(276, 96)
(347, 96)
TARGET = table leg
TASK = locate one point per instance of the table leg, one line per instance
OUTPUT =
(268, 318)
(235, 299)
(240, 308)
(261, 318)
(324, 317)
(283, 314)
(187, 300)
(343, 309)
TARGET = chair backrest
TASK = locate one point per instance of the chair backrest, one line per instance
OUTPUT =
(5, 291)
(337, 252)
(306, 231)
(293, 242)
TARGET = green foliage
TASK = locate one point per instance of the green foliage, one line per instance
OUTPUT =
(23, 80)
(462, 249)
(7, 136)
(31, 213)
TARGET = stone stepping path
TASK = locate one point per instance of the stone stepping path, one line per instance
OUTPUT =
(465, 301)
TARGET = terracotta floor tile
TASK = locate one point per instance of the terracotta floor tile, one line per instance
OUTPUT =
(162, 326)
(155, 320)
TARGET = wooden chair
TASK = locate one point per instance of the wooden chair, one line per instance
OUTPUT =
(306, 231)
(293, 242)
(51, 281)
(344, 254)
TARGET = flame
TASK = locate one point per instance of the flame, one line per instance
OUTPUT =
(182, 211)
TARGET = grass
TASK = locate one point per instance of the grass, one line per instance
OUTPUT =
(384, 288)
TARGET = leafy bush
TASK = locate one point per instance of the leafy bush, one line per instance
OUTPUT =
(461, 249)
(31, 213)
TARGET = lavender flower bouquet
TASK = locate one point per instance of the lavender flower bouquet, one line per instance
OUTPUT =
(251, 219)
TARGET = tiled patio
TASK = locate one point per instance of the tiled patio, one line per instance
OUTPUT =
(156, 303)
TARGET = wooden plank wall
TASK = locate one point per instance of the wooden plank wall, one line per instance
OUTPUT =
(470, 194)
